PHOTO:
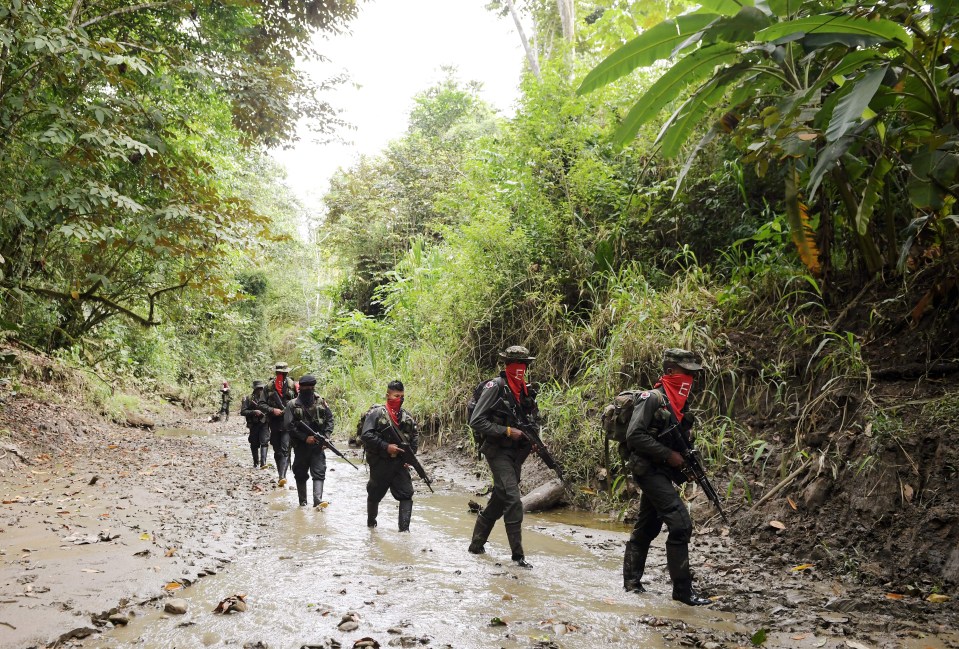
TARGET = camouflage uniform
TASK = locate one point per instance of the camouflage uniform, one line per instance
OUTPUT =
(497, 410)
(309, 459)
(251, 407)
(388, 473)
(279, 438)
(645, 452)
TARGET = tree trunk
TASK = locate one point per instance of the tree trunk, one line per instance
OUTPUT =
(530, 54)
(545, 496)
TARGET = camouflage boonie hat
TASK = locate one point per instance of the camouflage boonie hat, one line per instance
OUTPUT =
(686, 360)
(259, 384)
(517, 353)
(282, 367)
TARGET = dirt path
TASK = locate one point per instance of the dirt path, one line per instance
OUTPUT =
(112, 521)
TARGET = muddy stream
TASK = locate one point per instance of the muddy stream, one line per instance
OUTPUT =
(313, 566)
(310, 570)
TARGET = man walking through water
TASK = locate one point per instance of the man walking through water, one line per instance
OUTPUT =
(309, 440)
(383, 428)
(649, 452)
(280, 392)
(252, 407)
(505, 409)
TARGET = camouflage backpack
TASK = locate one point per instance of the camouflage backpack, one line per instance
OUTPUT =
(616, 415)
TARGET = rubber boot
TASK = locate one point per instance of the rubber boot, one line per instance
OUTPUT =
(480, 533)
(514, 534)
(263, 456)
(634, 565)
(318, 493)
(677, 561)
(256, 454)
(280, 460)
(301, 492)
(372, 508)
(406, 512)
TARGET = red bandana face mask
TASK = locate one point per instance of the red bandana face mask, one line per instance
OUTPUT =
(516, 378)
(677, 387)
(278, 383)
(393, 408)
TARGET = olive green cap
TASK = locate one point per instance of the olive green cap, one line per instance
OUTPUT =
(685, 359)
(517, 354)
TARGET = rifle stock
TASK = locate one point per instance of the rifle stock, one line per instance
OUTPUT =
(325, 441)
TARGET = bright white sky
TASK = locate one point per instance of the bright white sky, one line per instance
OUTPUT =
(395, 50)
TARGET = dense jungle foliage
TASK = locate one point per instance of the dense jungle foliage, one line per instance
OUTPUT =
(770, 184)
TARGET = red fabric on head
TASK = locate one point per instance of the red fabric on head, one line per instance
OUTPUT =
(393, 408)
(677, 387)
(516, 378)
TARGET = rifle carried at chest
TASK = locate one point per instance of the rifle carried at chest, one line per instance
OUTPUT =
(321, 439)
(693, 467)
(409, 457)
(531, 432)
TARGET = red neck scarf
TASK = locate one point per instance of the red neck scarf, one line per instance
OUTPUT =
(516, 379)
(278, 383)
(677, 387)
(393, 408)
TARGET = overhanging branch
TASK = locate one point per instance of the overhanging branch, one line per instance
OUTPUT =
(147, 321)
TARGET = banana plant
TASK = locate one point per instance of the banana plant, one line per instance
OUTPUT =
(847, 96)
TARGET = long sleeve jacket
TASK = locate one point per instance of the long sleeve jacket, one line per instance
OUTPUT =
(318, 417)
(497, 408)
(379, 431)
(646, 447)
(279, 400)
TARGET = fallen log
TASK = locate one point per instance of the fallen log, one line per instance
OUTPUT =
(545, 496)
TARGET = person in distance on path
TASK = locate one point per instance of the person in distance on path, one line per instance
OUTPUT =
(252, 407)
(384, 423)
(280, 392)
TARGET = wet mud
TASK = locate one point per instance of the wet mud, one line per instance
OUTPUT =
(177, 521)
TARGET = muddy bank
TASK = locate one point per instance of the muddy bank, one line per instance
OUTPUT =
(97, 516)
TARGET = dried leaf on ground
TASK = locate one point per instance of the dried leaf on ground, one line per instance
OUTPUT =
(803, 566)
(234, 603)
(937, 598)
(173, 585)
(779, 525)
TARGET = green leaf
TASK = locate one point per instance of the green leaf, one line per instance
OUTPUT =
(850, 108)
(690, 69)
(687, 117)
(871, 193)
(724, 7)
(652, 45)
(826, 160)
(758, 638)
(883, 29)
(736, 29)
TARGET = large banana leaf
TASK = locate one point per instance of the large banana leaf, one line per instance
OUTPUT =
(652, 45)
(879, 28)
(800, 228)
(871, 194)
(724, 7)
(850, 108)
(690, 69)
(687, 117)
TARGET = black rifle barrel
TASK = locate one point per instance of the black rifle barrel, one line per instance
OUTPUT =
(410, 458)
(325, 441)
(693, 469)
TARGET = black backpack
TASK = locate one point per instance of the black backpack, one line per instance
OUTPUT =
(474, 399)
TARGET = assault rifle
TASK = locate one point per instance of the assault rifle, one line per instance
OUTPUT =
(693, 468)
(302, 425)
(531, 432)
(410, 458)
